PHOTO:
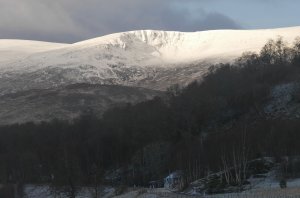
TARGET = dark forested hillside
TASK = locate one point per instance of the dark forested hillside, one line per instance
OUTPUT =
(192, 129)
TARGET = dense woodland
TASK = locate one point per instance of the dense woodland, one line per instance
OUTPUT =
(199, 128)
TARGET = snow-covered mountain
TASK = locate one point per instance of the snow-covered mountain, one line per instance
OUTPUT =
(146, 58)
(42, 81)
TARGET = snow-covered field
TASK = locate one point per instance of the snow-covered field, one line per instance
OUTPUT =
(274, 192)
(34, 191)
(264, 188)
(266, 193)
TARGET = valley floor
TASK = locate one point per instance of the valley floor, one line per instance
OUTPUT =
(262, 193)
(264, 190)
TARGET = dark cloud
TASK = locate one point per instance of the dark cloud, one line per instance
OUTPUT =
(74, 20)
(219, 21)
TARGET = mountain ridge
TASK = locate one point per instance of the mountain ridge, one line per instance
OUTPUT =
(131, 58)
(146, 36)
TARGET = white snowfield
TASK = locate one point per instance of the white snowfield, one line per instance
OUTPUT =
(148, 58)
(10, 50)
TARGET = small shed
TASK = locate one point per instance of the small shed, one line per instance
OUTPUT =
(175, 180)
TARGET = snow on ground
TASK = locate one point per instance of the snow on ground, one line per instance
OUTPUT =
(34, 191)
(265, 190)
(173, 46)
(10, 50)
(291, 192)
(267, 187)
(263, 193)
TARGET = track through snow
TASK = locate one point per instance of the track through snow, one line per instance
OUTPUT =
(145, 58)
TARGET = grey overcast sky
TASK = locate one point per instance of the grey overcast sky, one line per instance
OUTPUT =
(75, 20)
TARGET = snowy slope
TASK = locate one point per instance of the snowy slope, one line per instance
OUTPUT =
(10, 50)
(147, 58)
(174, 47)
